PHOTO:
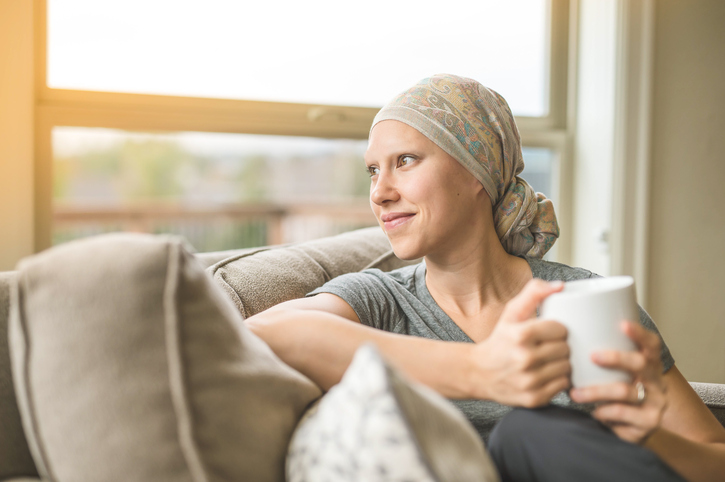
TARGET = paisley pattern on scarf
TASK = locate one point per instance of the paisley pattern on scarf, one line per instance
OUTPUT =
(474, 125)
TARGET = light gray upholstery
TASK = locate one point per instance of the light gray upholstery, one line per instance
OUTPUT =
(15, 458)
(211, 258)
(326, 258)
(713, 394)
(128, 366)
(256, 281)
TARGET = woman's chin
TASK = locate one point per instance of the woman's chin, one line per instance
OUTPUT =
(405, 251)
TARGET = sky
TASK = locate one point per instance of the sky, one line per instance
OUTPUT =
(316, 51)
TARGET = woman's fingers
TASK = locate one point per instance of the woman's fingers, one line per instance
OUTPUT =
(523, 306)
(536, 388)
(632, 410)
(643, 363)
(610, 392)
(550, 351)
(625, 414)
(645, 340)
(543, 395)
(541, 331)
(631, 361)
(555, 386)
(629, 422)
(524, 361)
(551, 371)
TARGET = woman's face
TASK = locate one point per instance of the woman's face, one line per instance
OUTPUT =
(426, 202)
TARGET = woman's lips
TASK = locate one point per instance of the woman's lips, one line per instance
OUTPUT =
(393, 220)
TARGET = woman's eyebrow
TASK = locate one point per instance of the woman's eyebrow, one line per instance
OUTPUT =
(410, 152)
(406, 152)
(394, 155)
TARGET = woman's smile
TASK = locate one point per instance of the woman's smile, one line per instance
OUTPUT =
(394, 220)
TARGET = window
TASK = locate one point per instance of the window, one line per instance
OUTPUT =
(241, 115)
(218, 190)
(303, 52)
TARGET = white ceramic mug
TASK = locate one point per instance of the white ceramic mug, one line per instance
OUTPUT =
(592, 311)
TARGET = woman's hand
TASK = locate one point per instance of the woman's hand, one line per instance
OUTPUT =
(621, 406)
(525, 361)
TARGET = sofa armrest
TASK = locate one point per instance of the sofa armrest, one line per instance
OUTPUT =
(713, 394)
(213, 257)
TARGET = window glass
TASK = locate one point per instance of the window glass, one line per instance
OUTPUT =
(220, 191)
(541, 165)
(316, 51)
(538, 171)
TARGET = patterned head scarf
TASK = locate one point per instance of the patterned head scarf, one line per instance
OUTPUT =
(475, 126)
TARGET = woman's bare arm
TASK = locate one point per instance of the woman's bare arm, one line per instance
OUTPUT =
(318, 336)
(672, 420)
(524, 362)
(690, 439)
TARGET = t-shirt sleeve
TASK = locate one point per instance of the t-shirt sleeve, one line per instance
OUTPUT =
(367, 294)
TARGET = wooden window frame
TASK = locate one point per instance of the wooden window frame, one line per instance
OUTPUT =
(143, 112)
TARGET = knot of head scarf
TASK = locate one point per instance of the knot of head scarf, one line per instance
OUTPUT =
(475, 126)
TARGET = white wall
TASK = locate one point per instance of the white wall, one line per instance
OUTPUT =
(681, 164)
(16, 131)
(686, 295)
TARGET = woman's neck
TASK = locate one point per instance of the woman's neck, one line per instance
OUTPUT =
(473, 284)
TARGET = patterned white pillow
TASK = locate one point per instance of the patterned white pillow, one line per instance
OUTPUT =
(376, 426)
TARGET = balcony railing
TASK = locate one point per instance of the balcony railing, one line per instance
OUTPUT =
(217, 228)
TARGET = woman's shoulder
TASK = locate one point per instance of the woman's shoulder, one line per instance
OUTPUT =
(399, 273)
(404, 276)
(553, 271)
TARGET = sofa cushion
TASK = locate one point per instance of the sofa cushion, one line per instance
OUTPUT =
(127, 366)
(260, 279)
(376, 426)
(713, 394)
(213, 257)
(15, 458)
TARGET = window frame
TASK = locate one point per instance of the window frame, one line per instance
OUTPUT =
(146, 112)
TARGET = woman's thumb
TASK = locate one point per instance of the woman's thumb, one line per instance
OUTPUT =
(523, 306)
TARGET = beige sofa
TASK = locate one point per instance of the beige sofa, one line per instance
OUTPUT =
(120, 361)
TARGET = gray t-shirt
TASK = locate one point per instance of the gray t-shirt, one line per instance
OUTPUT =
(399, 301)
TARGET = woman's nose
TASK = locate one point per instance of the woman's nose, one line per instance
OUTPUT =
(383, 189)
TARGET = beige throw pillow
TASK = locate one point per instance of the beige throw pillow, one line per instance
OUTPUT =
(261, 279)
(127, 366)
(15, 458)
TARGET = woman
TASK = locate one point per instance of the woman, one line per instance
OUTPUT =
(444, 158)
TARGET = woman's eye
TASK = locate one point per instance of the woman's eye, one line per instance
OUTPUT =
(372, 170)
(405, 160)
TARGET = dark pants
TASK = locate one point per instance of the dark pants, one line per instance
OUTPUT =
(558, 444)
